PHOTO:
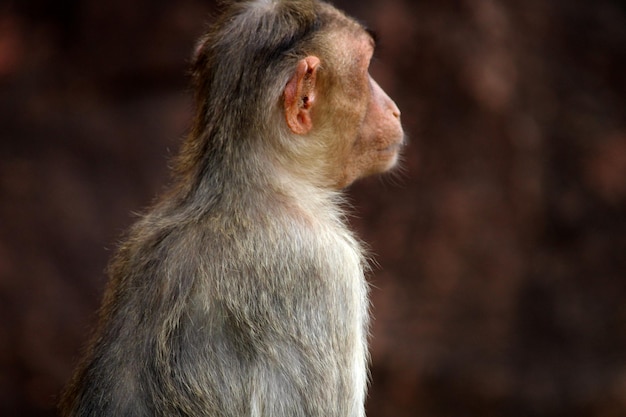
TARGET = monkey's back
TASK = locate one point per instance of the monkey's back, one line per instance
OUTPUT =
(217, 316)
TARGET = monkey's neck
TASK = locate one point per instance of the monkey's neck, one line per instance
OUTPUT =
(241, 185)
(314, 202)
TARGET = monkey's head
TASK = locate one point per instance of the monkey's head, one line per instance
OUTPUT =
(287, 82)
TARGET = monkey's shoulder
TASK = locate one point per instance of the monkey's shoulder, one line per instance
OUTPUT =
(247, 242)
(281, 245)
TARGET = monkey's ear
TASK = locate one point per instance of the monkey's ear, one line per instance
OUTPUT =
(299, 95)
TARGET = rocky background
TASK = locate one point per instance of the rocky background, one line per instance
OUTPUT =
(501, 243)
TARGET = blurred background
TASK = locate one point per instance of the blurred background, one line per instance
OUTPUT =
(501, 243)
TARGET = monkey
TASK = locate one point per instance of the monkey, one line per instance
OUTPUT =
(242, 292)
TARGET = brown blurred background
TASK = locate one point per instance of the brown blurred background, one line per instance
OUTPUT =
(501, 289)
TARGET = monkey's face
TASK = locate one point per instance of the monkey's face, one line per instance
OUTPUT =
(370, 120)
(341, 109)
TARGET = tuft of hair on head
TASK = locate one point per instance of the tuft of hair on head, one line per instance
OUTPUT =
(241, 49)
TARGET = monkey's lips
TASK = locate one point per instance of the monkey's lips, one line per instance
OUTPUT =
(396, 146)
(393, 148)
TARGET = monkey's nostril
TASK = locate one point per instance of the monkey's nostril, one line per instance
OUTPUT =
(394, 109)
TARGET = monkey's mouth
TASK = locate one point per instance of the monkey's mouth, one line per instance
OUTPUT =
(396, 146)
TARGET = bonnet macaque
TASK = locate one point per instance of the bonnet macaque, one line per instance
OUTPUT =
(242, 291)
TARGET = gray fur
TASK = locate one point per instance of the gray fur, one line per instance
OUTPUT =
(241, 293)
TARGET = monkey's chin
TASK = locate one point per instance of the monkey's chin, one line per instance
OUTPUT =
(393, 161)
(389, 158)
(391, 154)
